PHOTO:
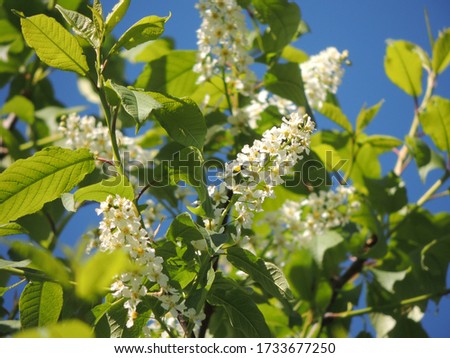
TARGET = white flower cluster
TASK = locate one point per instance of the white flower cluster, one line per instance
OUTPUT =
(121, 229)
(260, 167)
(323, 73)
(82, 132)
(222, 43)
(248, 116)
(297, 223)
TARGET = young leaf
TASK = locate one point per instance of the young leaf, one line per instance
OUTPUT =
(366, 115)
(64, 329)
(335, 114)
(99, 192)
(40, 179)
(12, 229)
(137, 104)
(403, 66)
(146, 29)
(54, 45)
(441, 51)
(269, 276)
(81, 25)
(321, 243)
(426, 158)
(182, 119)
(387, 195)
(117, 13)
(6, 263)
(292, 54)
(381, 143)
(387, 279)
(95, 276)
(40, 304)
(435, 121)
(21, 106)
(42, 260)
(244, 315)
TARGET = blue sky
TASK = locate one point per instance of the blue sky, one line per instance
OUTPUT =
(362, 27)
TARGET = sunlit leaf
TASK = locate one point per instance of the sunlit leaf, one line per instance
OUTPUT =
(146, 29)
(435, 121)
(403, 66)
(441, 51)
(40, 179)
(54, 45)
(64, 329)
(40, 304)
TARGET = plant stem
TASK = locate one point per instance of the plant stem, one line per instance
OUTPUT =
(405, 302)
(227, 95)
(399, 165)
(429, 193)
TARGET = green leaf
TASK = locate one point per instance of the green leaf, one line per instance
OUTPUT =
(54, 45)
(95, 276)
(42, 260)
(99, 192)
(303, 274)
(441, 51)
(382, 143)
(137, 104)
(387, 279)
(286, 81)
(18, 264)
(117, 13)
(403, 66)
(182, 119)
(64, 329)
(335, 114)
(387, 195)
(321, 243)
(366, 115)
(21, 106)
(292, 54)
(183, 228)
(244, 315)
(269, 276)
(146, 29)
(40, 179)
(426, 158)
(81, 25)
(171, 73)
(149, 52)
(435, 256)
(40, 304)
(283, 18)
(188, 165)
(435, 120)
(12, 229)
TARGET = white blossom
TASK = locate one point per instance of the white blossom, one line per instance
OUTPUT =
(222, 43)
(83, 132)
(323, 73)
(297, 223)
(121, 229)
(259, 168)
